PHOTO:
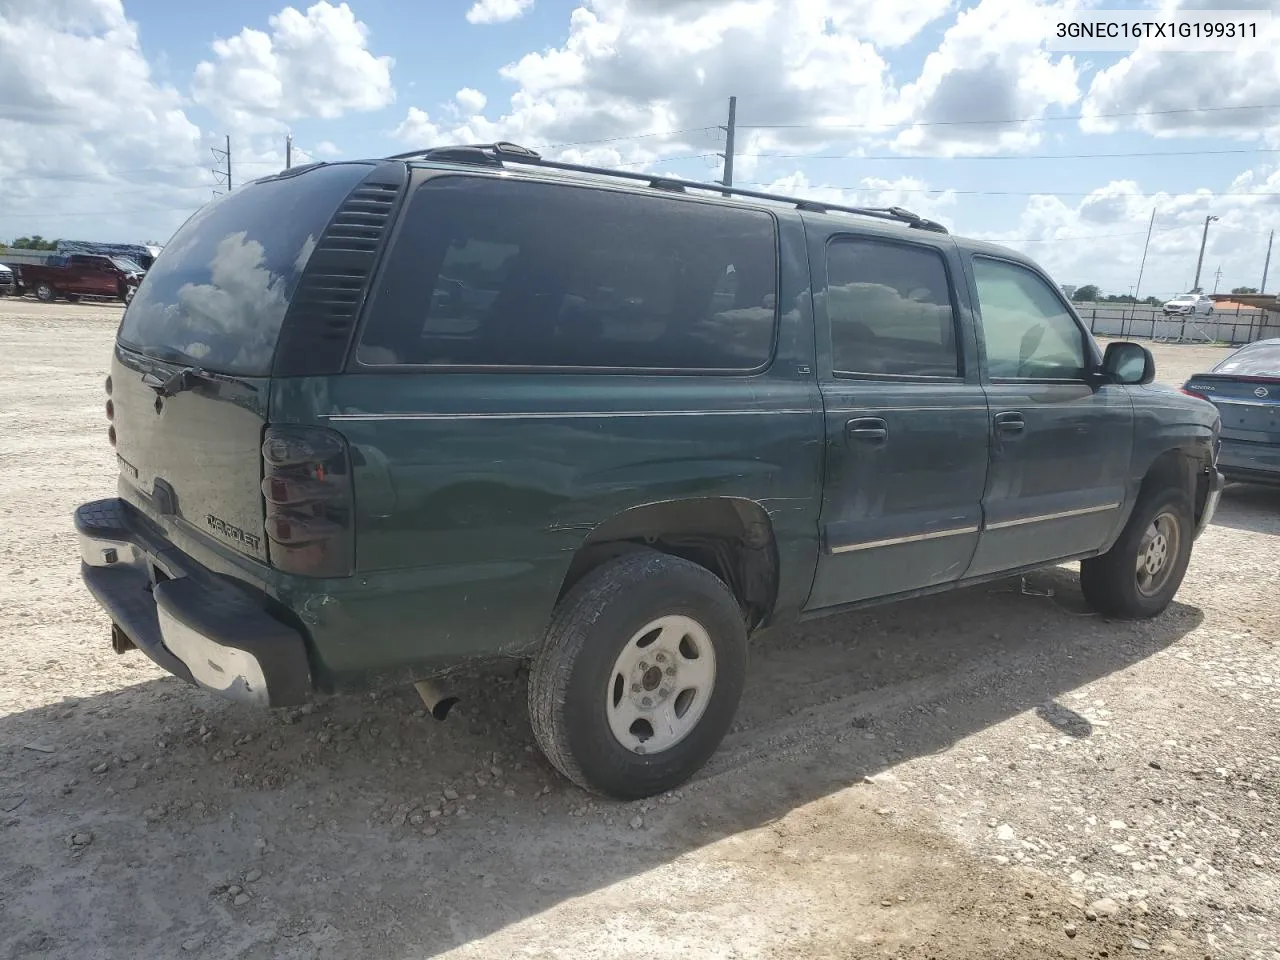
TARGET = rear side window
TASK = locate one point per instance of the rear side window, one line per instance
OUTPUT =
(489, 272)
(890, 310)
(217, 295)
(1258, 360)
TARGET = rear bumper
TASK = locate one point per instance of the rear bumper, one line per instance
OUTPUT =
(1250, 462)
(196, 625)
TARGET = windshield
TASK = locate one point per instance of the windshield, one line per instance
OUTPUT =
(127, 265)
(218, 293)
(1258, 360)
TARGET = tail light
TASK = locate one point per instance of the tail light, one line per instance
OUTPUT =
(306, 483)
(1191, 393)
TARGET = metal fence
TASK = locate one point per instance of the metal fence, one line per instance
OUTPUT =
(1236, 326)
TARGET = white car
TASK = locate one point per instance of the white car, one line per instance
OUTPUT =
(1190, 303)
(8, 282)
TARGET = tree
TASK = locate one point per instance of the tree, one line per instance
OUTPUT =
(1244, 289)
(1087, 294)
(1152, 301)
(36, 242)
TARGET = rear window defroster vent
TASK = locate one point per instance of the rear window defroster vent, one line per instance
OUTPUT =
(324, 309)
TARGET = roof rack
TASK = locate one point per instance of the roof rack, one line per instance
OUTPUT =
(500, 153)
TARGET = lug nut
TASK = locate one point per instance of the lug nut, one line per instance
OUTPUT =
(671, 671)
(643, 665)
(647, 701)
(661, 658)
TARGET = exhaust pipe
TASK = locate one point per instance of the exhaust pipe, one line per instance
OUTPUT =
(438, 699)
(120, 641)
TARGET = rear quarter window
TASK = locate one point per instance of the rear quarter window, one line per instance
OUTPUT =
(217, 294)
(488, 272)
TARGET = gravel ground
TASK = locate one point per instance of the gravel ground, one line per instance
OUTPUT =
(990, 773)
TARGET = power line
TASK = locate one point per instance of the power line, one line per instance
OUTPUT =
(1001, 156)
(1039, 119)
(1013, 193)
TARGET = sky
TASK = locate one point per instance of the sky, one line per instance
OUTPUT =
(110, 111)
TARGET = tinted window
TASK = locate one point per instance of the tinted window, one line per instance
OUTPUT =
(1029, 333)
(1256, 360)
(890, 310)
(496, 272)
(217, 294)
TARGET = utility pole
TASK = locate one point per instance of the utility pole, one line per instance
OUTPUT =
(288, 151)
(729, 131)
(1203, 239)
(223, 174)
(1266, 264)
(1137, 287)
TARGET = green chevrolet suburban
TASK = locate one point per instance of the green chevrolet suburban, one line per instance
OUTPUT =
(377, 422)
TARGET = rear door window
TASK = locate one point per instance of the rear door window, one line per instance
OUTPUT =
(890, 310)
(217, 295)
(488, 272)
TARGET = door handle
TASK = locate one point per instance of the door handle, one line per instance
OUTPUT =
(872, 430)
(1010, 424)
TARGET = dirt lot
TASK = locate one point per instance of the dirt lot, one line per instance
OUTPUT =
(993, 773)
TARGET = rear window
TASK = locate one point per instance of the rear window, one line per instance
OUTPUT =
(217, 294)
(1262, 360)
(489, 272)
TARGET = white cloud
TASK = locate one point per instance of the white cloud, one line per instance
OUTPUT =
(990, 66)
(316, 64)
(417, 129)
(327, 148)
(907, 192)
(91, 142)
(1100, 238)
(473, 101)
(1192, 94)
(650, 67)
(498, 11)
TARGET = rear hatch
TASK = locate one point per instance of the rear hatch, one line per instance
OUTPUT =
(191, 375)
(1250, 406)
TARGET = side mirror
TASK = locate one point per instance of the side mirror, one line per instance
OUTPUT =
(1128, 363)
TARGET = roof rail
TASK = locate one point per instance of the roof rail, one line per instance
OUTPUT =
(496, 154)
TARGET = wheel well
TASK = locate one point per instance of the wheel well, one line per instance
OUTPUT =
(1181, 469)
(731, 537)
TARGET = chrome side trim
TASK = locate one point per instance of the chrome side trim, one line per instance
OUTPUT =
(871, 408)
(565, 415)
(894, 541)
(1063, 515)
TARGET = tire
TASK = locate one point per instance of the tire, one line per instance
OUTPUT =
(1113, 583)
(600, 663)
(45, 293)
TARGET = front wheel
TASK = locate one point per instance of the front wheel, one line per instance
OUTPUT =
(640, 675)
(1139, 576)
(45, 293)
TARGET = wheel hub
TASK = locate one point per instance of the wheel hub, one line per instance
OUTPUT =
(1156, 553)
(662, 682)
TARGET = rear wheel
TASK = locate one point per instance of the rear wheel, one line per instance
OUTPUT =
(45, 293)
(640, 675)
(1139, 576)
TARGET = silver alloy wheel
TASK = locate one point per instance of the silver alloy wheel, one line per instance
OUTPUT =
(661, 684)
(1157, 553)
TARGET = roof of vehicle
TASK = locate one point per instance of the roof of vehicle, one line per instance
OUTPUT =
(511, 160)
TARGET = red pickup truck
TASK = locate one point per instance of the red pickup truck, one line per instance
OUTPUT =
(81, 275)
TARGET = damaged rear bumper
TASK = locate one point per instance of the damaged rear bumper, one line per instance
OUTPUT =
(196, 625)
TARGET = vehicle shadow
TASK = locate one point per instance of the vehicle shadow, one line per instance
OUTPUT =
(1249, 507)
(380, 832)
